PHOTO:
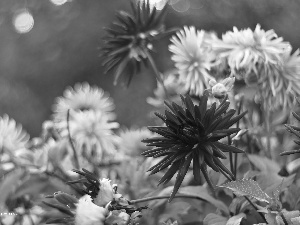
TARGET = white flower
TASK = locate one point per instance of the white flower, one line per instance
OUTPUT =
(193, 58)
(246, 49)
(106, 193)
(131, 141)
(87, 213)
(12, 136)
(83, 97)
(220, 89)
(93, 134)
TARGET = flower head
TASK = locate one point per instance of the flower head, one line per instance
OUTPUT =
(130, 141)
(93, 135)
(192, 132)
(12, 136)
(279, 84)
(83, 97)
(247, 49)
(87, 213)
(106, 193)
(129, 40)
(220, 89)
(193, 59)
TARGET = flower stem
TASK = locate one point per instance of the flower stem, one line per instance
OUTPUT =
(157, 73)
(165, 197)
(71, 142)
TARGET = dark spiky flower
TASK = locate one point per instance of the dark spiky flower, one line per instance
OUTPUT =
(294, 130)
(128, 42)
(192, 133)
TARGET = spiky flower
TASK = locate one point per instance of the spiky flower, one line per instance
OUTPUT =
(193, 58)
(82, 97)
(192, 133)
(245, 49)
(12, 136)
(279, 84)
(129, 40)
(93, 135)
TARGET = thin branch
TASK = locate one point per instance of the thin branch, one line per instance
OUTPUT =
(165, 197)
(71, 142)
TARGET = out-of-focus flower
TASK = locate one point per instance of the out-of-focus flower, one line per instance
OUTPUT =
(83, 97)
(25, 217)
(221, 88)
(87, 213)
(93, 135)
(279, 84)
(172, 85)
(245, 49)
(12, 136)
(192, 132)
(128, 42)
(130, 141)
(106, 193)
(193, 58)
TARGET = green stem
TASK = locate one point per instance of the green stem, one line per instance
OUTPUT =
(157, 73)
(267, 126)
(71, 142)
(165, 197)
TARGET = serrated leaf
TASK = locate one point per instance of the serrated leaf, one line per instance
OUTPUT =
(214, 219)
(236, 220)
(247, 187)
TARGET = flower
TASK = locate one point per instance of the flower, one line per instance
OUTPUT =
(93, 135)
(106, 193)
(193, 58)
(220, 89)
(128, 42)
(12, 135)
(280, 83)
(130, 141)
(192, 132)
(87, 213)
(82, 97)
(245, 49)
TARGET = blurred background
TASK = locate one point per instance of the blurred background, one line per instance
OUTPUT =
(47, 45)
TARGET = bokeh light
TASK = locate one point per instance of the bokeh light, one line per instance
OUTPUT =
(23, 21)
(59, 2)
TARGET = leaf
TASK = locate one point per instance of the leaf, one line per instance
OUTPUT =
(214, 219)
(7, 185)
(264, 164)
(236, 220)
(201, 192)
(296, 221)
(246, 187)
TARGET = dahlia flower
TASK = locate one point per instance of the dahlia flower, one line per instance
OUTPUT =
(192, 133)
(93, 135)
(12, 136)
(129, 40)
(87, 213)
(246, 49)
(82, 97)
(193, 58)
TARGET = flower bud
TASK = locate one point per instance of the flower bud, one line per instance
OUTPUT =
(87, 213)
(105, 194)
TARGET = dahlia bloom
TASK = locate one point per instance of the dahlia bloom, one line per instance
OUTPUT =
(193, 58)
(246, 49)
(12, 136)
(93, 134)
(87, 213)
(106, 193)
(83, 97)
